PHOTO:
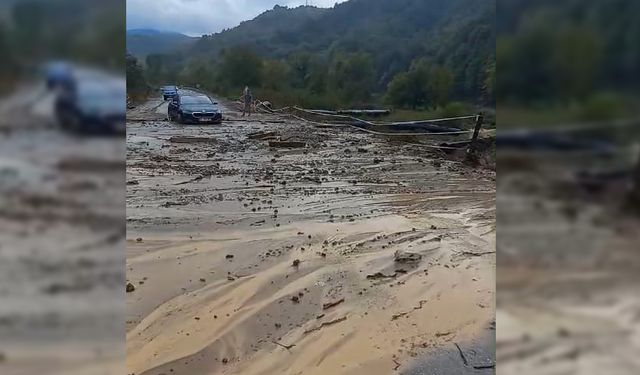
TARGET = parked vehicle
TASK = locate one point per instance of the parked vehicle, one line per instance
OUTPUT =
(58, 74)
(194, 108)
(94, 105)
(168, 92)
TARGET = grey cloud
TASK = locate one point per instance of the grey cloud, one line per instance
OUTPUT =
(197, 17)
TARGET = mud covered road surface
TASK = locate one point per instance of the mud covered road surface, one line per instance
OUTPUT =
(353, 254)
(568, 269)
(61, 242)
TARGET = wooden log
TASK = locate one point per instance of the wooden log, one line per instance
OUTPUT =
(189, 139)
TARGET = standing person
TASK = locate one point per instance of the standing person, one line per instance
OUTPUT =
(247, 99)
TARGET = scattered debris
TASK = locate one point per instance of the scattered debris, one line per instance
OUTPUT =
(191, 139)
(325, 324)
(130, 288)
(397, 365)
(329, 305)
(195, 179)
(229, 256)
(464, 358)
(262, 135)
(396, 316)
(287, 144)
(296, 263)
(406, 257)
(380, 275)
(284, 346)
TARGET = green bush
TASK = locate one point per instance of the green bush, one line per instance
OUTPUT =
(602, 106)
(455, 109)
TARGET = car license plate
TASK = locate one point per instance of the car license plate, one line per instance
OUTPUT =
(205, 120)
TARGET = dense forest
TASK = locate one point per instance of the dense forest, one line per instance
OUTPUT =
(417, 54)
(34, 31)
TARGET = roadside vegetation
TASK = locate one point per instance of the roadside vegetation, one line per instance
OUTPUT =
(585, 68)
(35, 31)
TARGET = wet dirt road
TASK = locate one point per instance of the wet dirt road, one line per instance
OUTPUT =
(568, 269)
(61, 243)
(251, 259)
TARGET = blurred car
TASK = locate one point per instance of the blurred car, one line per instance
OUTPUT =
(169, 92)
(93, 106)
(194, 108)
(58, 74)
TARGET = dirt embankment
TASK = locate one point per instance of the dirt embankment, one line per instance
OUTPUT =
(352, 254)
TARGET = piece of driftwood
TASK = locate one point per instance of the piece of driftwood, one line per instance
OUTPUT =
(325, 324)
(284, 346)
(396, 316)
(329, 305)
(464, 358)
(262, 135)
(380, 275)
(190, 139)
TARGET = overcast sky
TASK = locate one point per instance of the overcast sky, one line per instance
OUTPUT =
(197, 17)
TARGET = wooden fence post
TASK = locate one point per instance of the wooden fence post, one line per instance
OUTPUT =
(471, 151)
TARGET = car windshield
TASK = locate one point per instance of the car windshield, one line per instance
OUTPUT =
(195, 100)
(169, 88)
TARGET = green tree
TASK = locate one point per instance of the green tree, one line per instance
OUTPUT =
(490, 80)
(301, 64)
(136, 83)
(410, 88)
(276, 75)
(353, 77)
(29, 23)
(240, 67)
(576, 59)
(440, 83)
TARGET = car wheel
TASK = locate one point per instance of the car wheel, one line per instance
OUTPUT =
(180, 118)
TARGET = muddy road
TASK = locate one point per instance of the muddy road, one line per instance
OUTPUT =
(354, 254)
(568, 268)
(61, 241)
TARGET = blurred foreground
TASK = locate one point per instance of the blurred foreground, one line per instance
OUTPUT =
(568, 254)
(61, 191)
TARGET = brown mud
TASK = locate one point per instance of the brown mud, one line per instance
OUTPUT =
(251, 259)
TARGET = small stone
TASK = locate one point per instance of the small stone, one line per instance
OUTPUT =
(139, 239)
(229, 256)
(295, 299)
(130, 288)
(296, 262)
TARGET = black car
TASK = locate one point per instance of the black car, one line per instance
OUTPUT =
(93, 105)
(194, 108)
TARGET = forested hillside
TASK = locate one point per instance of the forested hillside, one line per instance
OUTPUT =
(409, 53)
(142, 42)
